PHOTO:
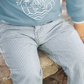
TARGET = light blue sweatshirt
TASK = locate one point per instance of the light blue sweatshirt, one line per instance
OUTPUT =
(36, 12)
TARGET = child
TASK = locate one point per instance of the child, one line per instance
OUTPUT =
(28, 25)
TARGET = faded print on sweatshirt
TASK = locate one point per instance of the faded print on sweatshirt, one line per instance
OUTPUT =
(36, 9)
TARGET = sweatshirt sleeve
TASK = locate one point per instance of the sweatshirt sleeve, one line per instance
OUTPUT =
(75, 9)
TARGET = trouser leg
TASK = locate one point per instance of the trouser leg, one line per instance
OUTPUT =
(20, 54)
(67, 50)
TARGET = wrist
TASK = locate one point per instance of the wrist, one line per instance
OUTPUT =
(80, 29)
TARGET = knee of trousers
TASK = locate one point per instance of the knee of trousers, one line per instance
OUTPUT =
(26, 75)
(76, 67)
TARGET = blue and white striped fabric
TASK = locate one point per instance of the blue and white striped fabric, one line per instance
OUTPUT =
(58, 39)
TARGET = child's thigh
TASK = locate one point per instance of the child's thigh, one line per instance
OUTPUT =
(65, 48)
(18, 48)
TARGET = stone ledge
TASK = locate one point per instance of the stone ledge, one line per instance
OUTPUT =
(48, 67)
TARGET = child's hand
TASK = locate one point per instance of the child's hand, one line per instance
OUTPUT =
(80, 29)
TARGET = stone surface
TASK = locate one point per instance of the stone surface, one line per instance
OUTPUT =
(48, 66)
(4, 72)
(6, 81)
(58, 78)
(2, 62)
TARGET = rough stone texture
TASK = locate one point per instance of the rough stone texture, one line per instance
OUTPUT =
(58, 78)
(48, 67)
(6, 81)
(4, 72)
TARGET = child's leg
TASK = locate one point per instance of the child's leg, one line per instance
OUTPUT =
(20, 54)
(66, 49)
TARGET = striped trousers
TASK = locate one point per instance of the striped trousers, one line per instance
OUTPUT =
(58, 39)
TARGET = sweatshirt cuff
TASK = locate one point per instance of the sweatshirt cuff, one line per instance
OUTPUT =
(78, 22)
